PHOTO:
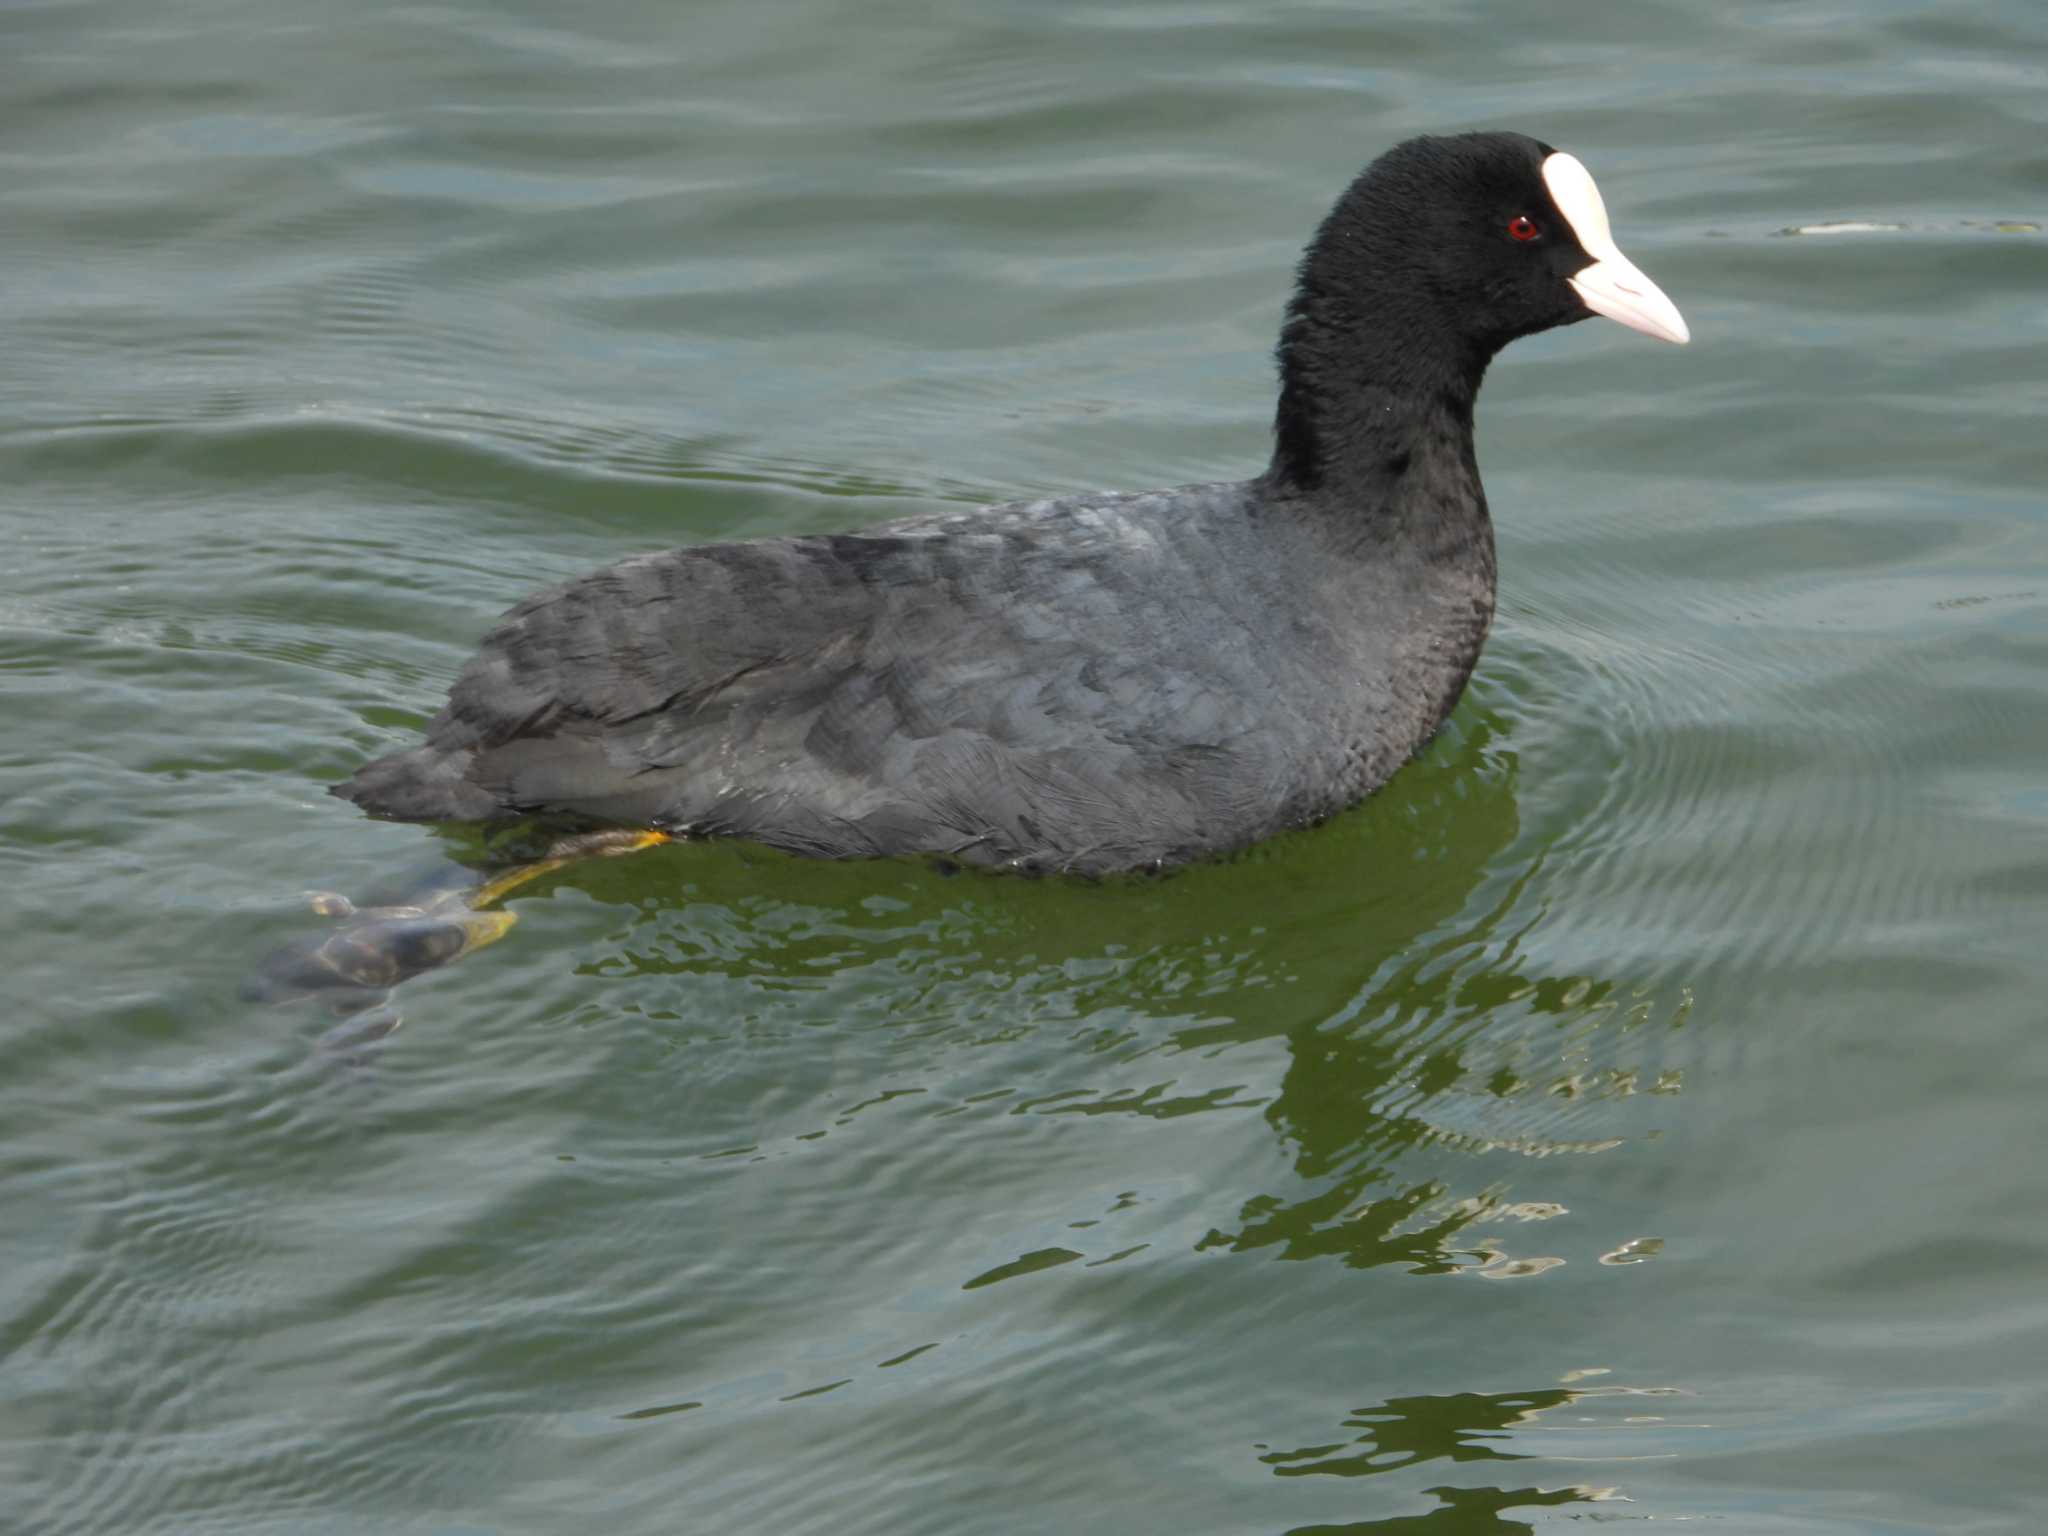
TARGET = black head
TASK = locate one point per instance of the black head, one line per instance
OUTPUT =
(1442, 252)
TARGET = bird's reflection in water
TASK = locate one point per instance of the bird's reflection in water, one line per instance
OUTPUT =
(1438, 1064)
(1403, 1431)
(1464, 1512)
(1455, 1043)
(1406, 1432)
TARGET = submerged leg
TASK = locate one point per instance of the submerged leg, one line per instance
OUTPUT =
(376, 948)
(588, 845)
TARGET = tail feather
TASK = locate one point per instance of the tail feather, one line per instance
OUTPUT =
(425, 784)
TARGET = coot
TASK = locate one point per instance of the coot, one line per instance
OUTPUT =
(1098, 682)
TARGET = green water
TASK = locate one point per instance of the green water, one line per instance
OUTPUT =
(1634, 1113)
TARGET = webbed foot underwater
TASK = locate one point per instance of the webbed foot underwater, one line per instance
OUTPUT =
(441, 916)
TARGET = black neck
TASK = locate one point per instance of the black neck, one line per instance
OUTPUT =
(1363, 376)
(1373, 439)
(1377, 376)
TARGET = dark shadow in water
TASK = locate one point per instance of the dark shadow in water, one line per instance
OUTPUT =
(1405, 1432)
(1465, 1512)
(1355, 1100)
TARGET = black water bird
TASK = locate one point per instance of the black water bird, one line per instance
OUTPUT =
(1098, 682)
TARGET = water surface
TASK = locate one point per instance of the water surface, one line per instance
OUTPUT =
(1632, 1113)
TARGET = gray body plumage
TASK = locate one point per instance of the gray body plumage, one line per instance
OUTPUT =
(1090, 684)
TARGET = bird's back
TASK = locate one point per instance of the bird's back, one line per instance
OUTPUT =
(1094, 683)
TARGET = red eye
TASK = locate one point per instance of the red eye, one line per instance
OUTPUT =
(1522, 227)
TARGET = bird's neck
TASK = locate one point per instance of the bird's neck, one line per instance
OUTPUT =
(1373, 435)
